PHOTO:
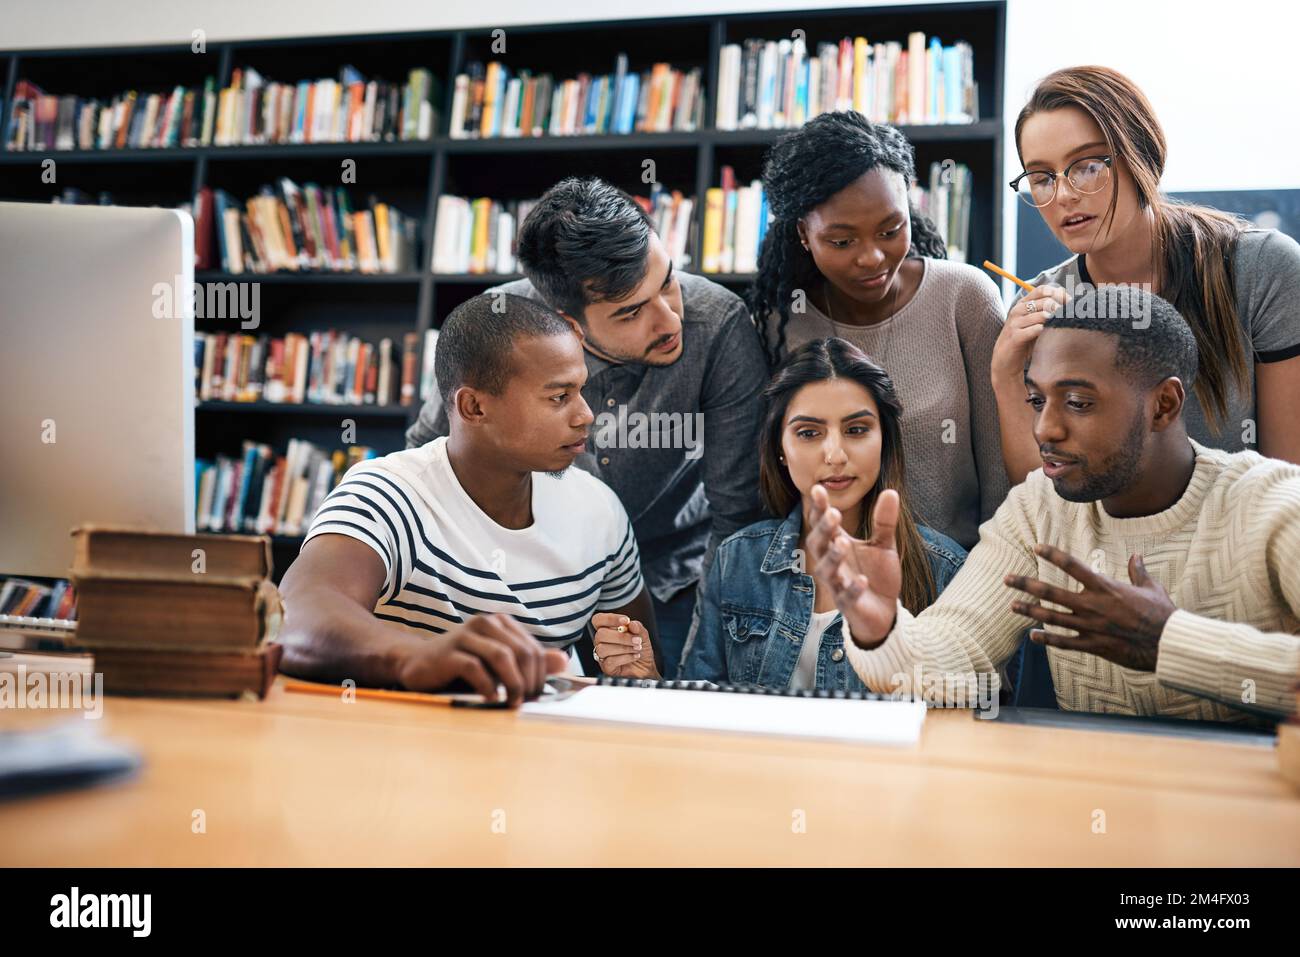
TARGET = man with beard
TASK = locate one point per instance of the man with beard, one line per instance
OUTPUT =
(1164, 576)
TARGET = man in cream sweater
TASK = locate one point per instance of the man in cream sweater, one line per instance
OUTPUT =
(1164, 575)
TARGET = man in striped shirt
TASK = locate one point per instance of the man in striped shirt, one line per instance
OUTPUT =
(480, 556)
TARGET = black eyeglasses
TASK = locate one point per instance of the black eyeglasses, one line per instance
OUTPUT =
(1088, 174)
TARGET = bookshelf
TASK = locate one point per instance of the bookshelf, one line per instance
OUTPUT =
(411, 175)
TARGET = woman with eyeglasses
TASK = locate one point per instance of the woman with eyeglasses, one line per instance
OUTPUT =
(1093, 153)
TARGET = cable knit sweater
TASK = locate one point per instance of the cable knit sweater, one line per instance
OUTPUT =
(1228, 553)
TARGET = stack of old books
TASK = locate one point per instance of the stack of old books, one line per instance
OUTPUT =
(175, 614)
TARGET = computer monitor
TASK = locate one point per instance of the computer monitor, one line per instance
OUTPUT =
(96, 376)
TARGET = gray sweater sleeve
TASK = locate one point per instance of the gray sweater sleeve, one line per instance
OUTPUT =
(731, 403)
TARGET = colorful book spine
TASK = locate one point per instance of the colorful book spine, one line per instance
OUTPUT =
(771, 84)
(263, 492)
(489, 100)
(328, 368)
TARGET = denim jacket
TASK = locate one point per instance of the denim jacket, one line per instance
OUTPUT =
(755, 608)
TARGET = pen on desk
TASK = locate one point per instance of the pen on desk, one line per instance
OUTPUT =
(419, 697)
(994, 267)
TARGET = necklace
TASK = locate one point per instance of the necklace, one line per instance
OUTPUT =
(889, 333)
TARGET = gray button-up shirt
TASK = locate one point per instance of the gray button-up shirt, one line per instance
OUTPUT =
(678, 443)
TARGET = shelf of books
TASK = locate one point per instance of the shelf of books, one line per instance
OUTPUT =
(348, 192)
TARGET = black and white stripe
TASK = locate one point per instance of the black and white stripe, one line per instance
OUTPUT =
(579, 557)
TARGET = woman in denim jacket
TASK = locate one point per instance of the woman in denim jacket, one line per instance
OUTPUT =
(832, 418)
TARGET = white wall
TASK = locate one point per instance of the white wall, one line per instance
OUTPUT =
(1222, 77)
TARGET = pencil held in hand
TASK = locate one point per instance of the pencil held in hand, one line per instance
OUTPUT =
(994, 267)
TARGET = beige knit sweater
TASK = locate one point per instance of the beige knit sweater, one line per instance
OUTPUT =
(1228, 553)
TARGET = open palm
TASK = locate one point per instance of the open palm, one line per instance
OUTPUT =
(865, 578)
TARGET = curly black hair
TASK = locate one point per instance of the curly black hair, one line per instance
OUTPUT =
(804, 169)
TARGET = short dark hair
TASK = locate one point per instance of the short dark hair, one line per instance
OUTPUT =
(477, 340)
(1155, 341)
(585, 241)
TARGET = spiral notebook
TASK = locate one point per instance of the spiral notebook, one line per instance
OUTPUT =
(834, 716)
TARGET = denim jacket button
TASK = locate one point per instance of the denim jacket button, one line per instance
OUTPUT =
(837, 654)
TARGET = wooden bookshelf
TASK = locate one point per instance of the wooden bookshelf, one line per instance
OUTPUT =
(310, 278)
(412, 175)
(303, 408)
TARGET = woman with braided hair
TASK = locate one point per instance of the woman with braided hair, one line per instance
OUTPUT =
(848, 256)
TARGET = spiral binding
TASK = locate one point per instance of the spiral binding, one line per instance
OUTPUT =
(678, 685)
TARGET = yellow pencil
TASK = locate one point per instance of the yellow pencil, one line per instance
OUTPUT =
(451, 700)
(992, 267)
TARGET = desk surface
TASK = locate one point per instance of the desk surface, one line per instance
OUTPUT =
(306, 780)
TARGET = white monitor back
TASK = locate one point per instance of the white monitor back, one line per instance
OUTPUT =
(96, 376)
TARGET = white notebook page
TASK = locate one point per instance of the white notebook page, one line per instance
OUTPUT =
(874, 722)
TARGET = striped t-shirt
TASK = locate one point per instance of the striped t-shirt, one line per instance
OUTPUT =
(446, 560)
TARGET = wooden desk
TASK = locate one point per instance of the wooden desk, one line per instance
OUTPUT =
(306, 780)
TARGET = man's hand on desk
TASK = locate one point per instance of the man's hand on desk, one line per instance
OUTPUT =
(864, 577)
(624, 654)
(1116, 620)
(486, 651)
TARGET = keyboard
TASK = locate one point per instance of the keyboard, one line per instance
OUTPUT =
(54, 626)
